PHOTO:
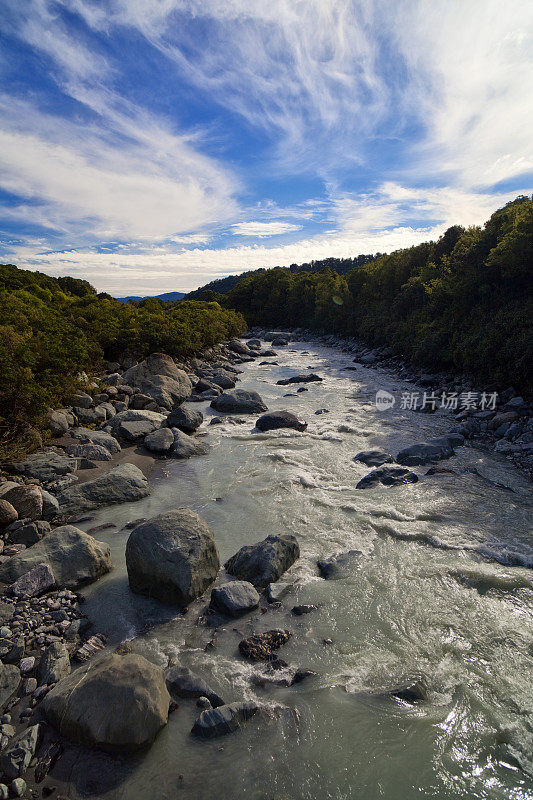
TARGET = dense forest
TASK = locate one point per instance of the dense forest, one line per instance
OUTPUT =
(221, 286)
(53, 328)
(463, 303)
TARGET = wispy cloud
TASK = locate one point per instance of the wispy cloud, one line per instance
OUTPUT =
(261, 229)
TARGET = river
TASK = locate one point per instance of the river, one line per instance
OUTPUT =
(441, 589)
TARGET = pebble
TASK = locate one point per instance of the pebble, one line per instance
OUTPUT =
(27, 664)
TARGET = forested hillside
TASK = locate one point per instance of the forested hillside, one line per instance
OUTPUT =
(463, 303)
(53, 328)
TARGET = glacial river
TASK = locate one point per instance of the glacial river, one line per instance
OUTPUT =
(442, 589)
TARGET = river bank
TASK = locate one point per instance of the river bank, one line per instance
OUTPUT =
(252, 484)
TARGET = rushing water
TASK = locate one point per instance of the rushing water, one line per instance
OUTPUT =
(425, 598)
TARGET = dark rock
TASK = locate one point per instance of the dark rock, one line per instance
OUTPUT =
(239, 347)
(186, 418)
(340, 565)
(427, 452)
(181, 682)
(388, 476)
(239, 401)
(33, 583)
(234, 598)
(223, 720)
(15, 759)
(29, 533)
(133, 425)
(186, 446)
(55, 664)
(266, 561)
(374, 458)
(27, 501)
(307, 377)
(159, 441)
(9, 683)
(172, 557)
(280, 419)
(303, 609)
(8, 513)
(89, 450)
(261, 646)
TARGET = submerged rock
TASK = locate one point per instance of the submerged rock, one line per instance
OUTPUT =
(260, 646)
(306, 377)
(427, 452)
(172, 557)
(266, 561)
(374, 458)
(280, 419)
(123, 484)
(181, 682)
(74, 557)
(339, 565)
(238, 401)
(223, 720)
(234, 598)
(388, 476)
(118, 703)
(185, 446)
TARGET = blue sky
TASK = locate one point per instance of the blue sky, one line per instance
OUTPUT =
(154, 145)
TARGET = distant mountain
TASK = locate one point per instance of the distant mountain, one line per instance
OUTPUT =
(167, 297)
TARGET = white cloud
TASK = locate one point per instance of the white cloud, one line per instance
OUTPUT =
(261, 229)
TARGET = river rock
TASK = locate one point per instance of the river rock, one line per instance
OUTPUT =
(266, 561)
(339, 565)
(239, 401)
(280, 419)
(89, 450)
(223, 720)
(97, 437)
(280, 341)
(374, 458)
(123, 484)
(222, 379)
(181, 682)
(306, 377)
(15, 759)
(118, 703)
(132, 424)
(261, 646)
(55, 664)
(8, 513)
(160, 378)
(172, 557)
(28, 533)
(50, 505)
(9, 683)
(33, 583)
(58, 423)
(27, 501)
(74, 557)
(234, 598)
(388, 476)
(159, 441)
(186, 418)
(427, 452)
(185, 446)
(238, 347)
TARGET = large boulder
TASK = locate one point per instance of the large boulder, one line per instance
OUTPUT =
(239, 401)
(159, 441)
(234, 598)
(96, 437)
(118, 703)
(46, 466)
(172, 557)
(387, 476)
(27, 501)
(426, 452)
(186, 418)
(186, 446)
(222, 720)
(74, 557)
(133, 424)
(222, 378)
(266, 561)
(181, 682)
(123, 484)
(238, 347)
(160, 378)
(280, 419)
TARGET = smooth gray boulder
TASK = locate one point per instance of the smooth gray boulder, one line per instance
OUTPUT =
(9, 683)
(89, 450)
(186, 446)
(160, 378)
(238, 347)
(426, 452)
(387, 476)
(172, 557)
(223, 720)
(186, 418)
(15, 759)
(159, 441)
(27, 501)
(181, 682)
(74, 557)
(97, 437)
(239, 401)
(374, 458)
(134, 424)
(123, 484)
(57, 423)
(280, 419)
(266, 561)
(118, 703)
(234, 598)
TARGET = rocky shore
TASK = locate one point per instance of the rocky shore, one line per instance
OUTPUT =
(60, 681)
